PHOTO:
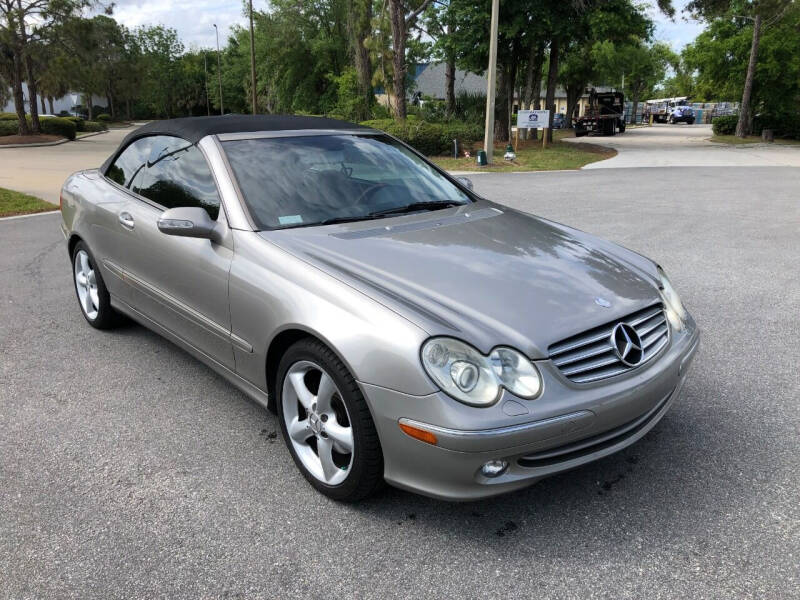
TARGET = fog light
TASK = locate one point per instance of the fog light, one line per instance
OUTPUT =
(494, 468)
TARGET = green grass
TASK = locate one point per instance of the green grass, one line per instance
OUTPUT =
(751, 139)
(532, 157)
(17, 203)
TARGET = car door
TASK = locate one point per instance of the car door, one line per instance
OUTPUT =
(110, 234)
(180, 283)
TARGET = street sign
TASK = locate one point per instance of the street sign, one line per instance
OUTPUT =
(533, 119)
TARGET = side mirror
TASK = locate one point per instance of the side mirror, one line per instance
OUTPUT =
(465, 181)
(189, 221)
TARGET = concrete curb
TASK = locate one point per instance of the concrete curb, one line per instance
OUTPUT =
(56, 143)
(458, 173)
(36, 214)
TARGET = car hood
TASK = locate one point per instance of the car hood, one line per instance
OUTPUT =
(484, 273)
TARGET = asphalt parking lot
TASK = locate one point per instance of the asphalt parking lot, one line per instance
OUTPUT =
(127, 469)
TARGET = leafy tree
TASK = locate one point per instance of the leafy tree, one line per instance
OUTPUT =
(359, 30)
(762, 14)
(719, 57)
(617, 25)
(160, 60)
(300, 48)
(23, 23)
(402, 18)
(643, 66)
(437, 22)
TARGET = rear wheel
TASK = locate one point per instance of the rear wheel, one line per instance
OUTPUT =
(326, 423)
(690, 121)
(93, 297)
(622, 126)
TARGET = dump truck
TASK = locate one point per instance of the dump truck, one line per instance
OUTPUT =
(604, 114)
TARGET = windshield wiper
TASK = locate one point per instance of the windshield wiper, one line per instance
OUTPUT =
(349, 219)
(414, 206)
(380, 214)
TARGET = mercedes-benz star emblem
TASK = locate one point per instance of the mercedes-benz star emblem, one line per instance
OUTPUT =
(600, 301)
(627, 344)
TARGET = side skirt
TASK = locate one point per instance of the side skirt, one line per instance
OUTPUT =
(254, 393)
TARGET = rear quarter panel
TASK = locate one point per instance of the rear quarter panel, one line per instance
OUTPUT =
(89, 209)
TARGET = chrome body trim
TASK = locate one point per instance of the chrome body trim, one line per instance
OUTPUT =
(498, 431)
(187, 311)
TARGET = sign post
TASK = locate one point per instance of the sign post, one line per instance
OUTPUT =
(533, 119)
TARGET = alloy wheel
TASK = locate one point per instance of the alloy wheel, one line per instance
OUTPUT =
(317, 422)
(86, 284)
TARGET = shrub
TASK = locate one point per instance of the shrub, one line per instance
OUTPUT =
(103, 117)
(429, 138)
(724, 125)
(50, 125)
(94, 126)
(470, 107)
(4, 116)
(78, 122)
(433, 111)
(59, 126)
(785, 126)
(8, 127)
(380, 111)
(345, 98)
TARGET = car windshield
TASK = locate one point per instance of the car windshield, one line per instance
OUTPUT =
(322, 179)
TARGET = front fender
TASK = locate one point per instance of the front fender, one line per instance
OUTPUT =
(272, 291)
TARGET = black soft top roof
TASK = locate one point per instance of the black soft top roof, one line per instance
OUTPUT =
(193, 129)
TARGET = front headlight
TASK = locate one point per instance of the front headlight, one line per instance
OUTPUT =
(468, 376)
(675, 309)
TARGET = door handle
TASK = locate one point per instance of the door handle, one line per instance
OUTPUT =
(126, 220)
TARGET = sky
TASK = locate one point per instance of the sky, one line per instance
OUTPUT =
(193, 19)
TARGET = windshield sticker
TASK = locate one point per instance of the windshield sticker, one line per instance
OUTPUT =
(290, 220)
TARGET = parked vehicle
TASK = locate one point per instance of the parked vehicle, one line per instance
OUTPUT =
(682, 114)
(661, 109)
(559, 121)
(604, 114)
(402, 327)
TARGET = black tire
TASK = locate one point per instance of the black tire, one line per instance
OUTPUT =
(622, 126)
(107, 317)
(581, 132)
(366, 473)
(690, 121)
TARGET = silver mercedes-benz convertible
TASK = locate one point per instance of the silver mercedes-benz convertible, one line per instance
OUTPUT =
(403, 328)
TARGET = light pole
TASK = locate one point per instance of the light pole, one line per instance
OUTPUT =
(252, 58)
(219, 73)
(488, 134)
(205, 70)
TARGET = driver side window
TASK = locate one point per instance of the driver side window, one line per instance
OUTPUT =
(168, 171)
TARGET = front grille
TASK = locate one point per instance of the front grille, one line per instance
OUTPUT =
(590, 356)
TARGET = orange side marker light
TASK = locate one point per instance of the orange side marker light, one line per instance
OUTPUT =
(418, 434)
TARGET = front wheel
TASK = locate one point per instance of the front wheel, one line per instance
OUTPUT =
(326, 423)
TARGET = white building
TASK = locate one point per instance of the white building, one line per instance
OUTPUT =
(65, 103)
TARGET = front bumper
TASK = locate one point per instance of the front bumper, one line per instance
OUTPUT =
(568, 426)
